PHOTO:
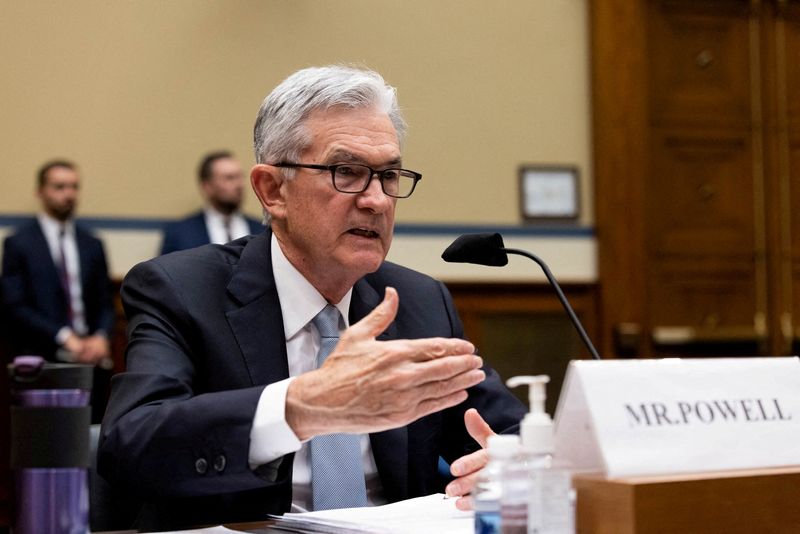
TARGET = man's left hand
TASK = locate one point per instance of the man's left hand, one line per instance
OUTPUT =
(466, 468)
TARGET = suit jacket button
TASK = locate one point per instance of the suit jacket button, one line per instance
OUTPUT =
(201, 466)
(219, 463)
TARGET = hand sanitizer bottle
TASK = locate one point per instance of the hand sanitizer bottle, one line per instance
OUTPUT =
(550, 498)
(487, 496)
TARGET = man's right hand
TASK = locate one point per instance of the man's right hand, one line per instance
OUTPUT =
(367, 385)
(74, 345)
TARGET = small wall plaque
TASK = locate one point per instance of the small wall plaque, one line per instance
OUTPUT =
(549, 193)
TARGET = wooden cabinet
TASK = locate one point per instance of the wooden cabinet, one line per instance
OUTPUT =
(697, 128)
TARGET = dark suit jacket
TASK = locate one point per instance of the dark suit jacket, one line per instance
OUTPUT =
(192, 232)
(32, 296)
(205, 335)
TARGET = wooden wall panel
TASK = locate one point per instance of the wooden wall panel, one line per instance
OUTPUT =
(619, 137)
(523, 329)
(700, 195)
(697, 146)
(790, 55)
(696, 53)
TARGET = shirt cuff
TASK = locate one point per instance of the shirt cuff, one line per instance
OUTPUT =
(270, 436)
(63, 333)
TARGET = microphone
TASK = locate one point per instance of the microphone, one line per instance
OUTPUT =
(489, 249)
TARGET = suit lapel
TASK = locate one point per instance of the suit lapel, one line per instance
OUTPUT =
(40, 250)
(201, 232)
(83, 244)
(257, 323)
(390, 447)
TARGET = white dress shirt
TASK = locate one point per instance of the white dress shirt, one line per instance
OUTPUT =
(52, 232)
(271, 437)
(217, 231)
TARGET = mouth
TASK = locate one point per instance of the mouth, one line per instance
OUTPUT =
(364, 232)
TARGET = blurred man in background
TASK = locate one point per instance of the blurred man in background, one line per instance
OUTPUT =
(55, 285)
(220, 221)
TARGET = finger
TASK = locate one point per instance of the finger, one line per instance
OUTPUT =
(447, 368)
(429, 406)
(461, 486)
(464, 504)
(378, 319)
(443, 388)
(437, 347)
(470, 463)
(477, 427)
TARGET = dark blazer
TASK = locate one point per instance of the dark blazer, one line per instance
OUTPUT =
(33, 298)
(192, 232)
(205, 336)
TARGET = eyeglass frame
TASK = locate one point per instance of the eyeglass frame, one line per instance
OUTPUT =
(372, 172)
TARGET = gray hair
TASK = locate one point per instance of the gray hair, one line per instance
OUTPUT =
(280, 134)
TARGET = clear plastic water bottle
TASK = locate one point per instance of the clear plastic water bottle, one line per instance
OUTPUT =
(517, 482)
(551, 508)
(488, 493)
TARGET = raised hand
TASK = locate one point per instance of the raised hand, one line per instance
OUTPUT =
(367, 385)
(467, 467)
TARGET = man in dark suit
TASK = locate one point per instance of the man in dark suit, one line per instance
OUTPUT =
(252, 365)
(222, 186)
(55, 286)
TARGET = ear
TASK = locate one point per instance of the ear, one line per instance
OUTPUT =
(267, 184)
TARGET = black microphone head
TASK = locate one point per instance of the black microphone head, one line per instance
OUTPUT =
(483, 249)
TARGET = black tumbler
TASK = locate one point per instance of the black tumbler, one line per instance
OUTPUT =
(50, 418)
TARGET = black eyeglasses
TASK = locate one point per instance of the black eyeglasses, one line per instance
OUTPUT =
(355, 178)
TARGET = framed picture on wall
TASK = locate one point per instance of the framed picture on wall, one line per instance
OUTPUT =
(549, 193)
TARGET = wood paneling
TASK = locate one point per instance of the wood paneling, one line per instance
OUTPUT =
(521, 329)
(696, 51)
(620, 137)
(715, 255)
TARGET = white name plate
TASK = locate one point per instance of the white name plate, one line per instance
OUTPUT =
(654, 417)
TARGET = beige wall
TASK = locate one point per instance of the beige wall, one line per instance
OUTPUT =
(135, 91)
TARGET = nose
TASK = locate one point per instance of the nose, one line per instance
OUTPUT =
(71, 192)
(373, 198)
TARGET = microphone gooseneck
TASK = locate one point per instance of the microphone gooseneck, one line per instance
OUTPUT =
(564, 302)
(489, 249)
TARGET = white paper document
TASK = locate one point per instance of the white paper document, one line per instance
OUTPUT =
(433, 513)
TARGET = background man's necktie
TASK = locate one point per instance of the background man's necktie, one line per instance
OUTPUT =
(337, 474)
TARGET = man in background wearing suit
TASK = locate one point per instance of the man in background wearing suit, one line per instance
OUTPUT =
(296, 369)
(222, 187)
(55, 287)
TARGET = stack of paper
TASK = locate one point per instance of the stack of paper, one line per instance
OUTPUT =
(434, 513)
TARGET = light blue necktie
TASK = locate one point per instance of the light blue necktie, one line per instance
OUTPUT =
(337, 475)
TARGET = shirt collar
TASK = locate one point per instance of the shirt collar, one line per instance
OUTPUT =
(52, 226)
(213, 214)
(300, 301)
